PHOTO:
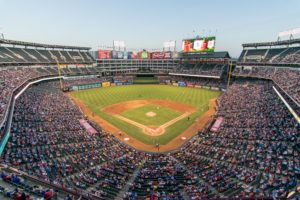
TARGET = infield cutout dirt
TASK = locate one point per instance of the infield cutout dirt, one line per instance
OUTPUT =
(116, 109)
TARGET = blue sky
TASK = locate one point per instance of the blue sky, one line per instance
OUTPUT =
(147, 23)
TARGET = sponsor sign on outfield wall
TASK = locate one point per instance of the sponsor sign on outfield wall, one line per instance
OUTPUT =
(105, 84)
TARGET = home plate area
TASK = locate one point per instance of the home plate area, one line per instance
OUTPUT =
(150, 114)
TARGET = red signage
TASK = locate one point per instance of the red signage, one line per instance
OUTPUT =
(161, 55)
(168, 55)
(104, 54)
(158, 55)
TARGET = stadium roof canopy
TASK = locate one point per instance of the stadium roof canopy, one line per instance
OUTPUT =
(268, 44)
(31, 44)
(220, 54)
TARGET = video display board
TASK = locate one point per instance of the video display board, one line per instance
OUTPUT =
(196, 45)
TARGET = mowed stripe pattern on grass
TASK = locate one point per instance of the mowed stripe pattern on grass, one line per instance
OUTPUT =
(97, 99)
(163, 115)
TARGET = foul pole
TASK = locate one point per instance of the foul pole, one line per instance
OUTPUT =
(229, 75)
(59, 74)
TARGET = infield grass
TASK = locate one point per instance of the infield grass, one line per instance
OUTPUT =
(162, 116)
(98, 98)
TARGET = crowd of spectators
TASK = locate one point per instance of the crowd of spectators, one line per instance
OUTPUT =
(160, 177)
(48, 141)
(24, 190)
(255, 153)
(10, 79)
(193, 81)
(287, 78)
(287, 55)
(204, 69)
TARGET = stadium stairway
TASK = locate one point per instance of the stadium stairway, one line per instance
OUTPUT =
(32, 58)
(199, 179)
(43, 58)
(125, 189)
(17, 56)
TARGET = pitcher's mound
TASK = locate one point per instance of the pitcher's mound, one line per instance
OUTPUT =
(150, 114)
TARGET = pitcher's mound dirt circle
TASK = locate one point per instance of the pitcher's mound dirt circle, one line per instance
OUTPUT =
(150, 114)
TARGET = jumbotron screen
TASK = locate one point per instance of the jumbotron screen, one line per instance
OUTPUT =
(197, 45)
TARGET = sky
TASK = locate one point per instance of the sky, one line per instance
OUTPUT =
(146, 24)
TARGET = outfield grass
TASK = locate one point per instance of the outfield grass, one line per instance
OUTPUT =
(98, 98)
(162, 116)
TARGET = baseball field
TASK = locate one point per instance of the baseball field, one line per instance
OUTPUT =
(146, 115)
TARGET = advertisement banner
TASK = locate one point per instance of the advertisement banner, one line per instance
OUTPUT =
(120, 55)
(169, 44)
(143, 55)
(190, 85)
(217, 124)
(175, 84)
(157, 55)
(104, 54)
(87, 127)
(114, 54)
(161, 55)
(196, 45)
(198, 86)
(105, 84)
(168, 55)
(132, 55)
(214, 88)
(181, 84)
(125, 55)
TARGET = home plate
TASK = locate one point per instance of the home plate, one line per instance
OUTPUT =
(150, 114)
(126, 139)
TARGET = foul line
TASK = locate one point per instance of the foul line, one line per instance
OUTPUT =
(164, 126)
